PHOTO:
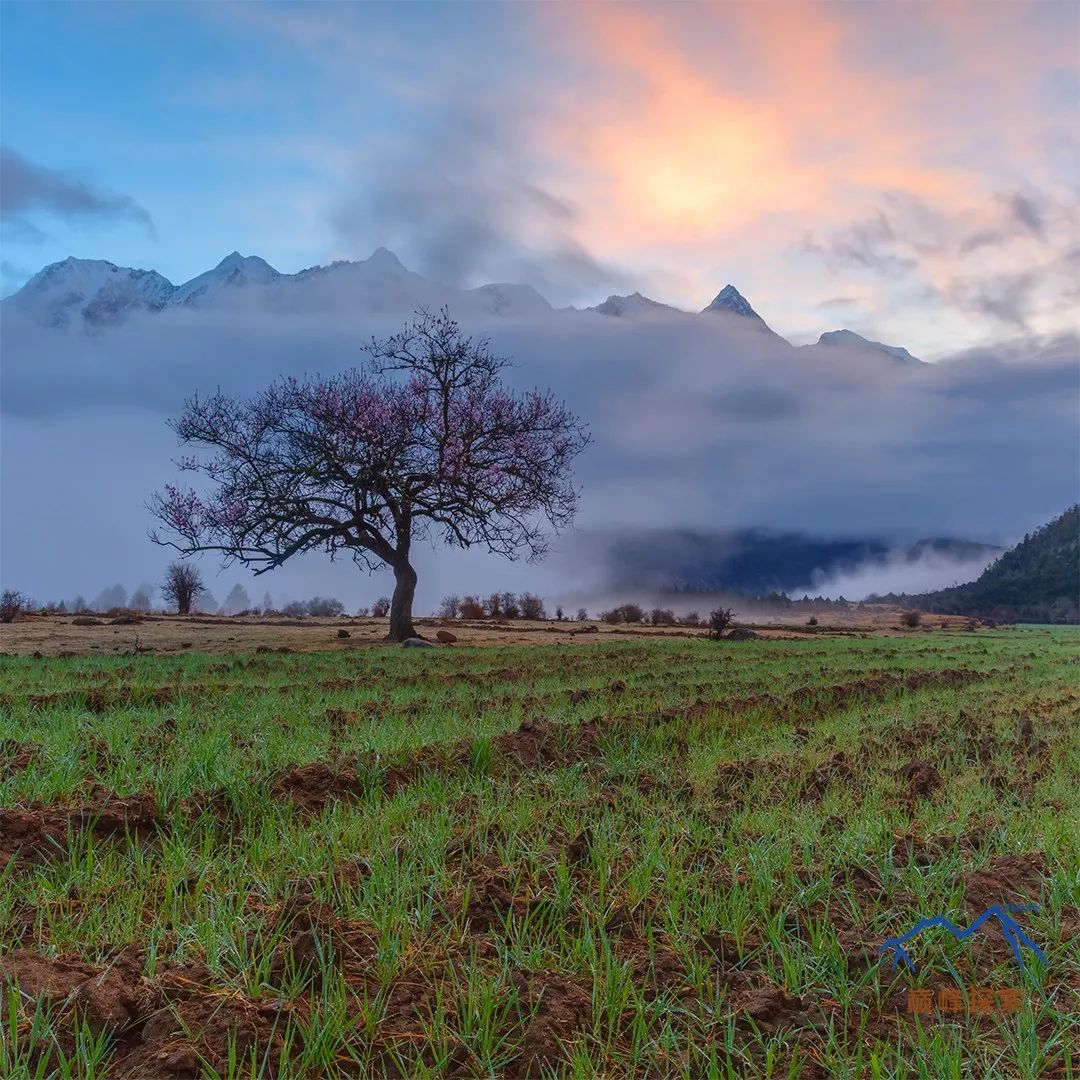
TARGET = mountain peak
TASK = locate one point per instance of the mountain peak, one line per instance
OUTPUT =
(848, 339)
(634, 304)
(729, 299)
(232, 260)
(383, 258)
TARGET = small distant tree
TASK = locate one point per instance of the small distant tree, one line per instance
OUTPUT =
(662, 617)
(183, 584)
(426, 442)
(363, 613)
(691, 618)
(812, 621)
(510, 606)
(559, 614)
(141, 598)
(381, 608)
(115, 596)
(471, 608)
(12, 603)
(78, 605)
(295, 609)
(632, 613)
(493, 606)
(325, 607)
(236, 601)
(719, 620)
(205, 603)
(532, 607)
(449, 607)
(582, 615)
(912, 617)
(267, 602)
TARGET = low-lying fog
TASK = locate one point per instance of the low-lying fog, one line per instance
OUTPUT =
(698, 423)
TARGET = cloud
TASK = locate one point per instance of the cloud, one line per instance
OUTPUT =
(697, 424)
(27, 188)
(461, 203)
(1006, 297)
(1027, 213)
(900, 573)
(870, 244)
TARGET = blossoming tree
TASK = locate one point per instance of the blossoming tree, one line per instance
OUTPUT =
(424, 442)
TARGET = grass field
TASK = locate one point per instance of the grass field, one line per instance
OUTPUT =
(644, 858)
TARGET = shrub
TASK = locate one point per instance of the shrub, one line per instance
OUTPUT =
(494, 605)
(450, 607)
(812, 621)
(510, 607)
(381, 608)
(662, 617)
(582, 615)
(911, 618)
(471, 608)
(624, 613)
(559, 616)
(11, 604)
(532, 607)
(363, 613)
(691, 618)
(325, 607)
(295, 609)
(719, 620)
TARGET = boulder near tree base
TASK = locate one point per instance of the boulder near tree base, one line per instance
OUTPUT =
(424, 442)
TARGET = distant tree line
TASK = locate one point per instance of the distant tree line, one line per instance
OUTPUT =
(504, 605)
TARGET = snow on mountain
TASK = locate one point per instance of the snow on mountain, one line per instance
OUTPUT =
(377, 284)
(848, 339)
(632, 306)
(91, 291)
(729, 301)
(506, 299)
(90, 294)
(233, 271)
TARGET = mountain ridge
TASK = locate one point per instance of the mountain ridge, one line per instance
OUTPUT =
(1038, 580)
(94, 294)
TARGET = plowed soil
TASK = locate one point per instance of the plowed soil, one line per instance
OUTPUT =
(649, 857)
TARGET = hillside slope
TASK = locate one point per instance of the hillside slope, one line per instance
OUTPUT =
(1036, 581)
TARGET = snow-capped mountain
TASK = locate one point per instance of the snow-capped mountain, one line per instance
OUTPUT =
(90, 291)
(628, 307)
(91, 294)
(848, 339)
(729, 301)
(233, 271)
(505, 299)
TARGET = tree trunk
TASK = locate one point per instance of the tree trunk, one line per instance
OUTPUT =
(401, 624)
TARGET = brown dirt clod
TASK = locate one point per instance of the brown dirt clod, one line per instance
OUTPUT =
(29, 834)
(310, 787)
(922, 778)
(561, 1009)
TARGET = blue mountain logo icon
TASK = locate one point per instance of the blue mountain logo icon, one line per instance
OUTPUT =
(1014, 933)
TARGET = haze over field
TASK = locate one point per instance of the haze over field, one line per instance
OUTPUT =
(795, 171)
